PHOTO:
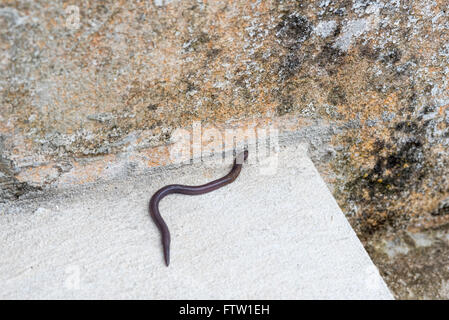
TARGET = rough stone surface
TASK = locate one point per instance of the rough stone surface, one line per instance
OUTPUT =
(365, 80)
(248, 240)
(415, 265)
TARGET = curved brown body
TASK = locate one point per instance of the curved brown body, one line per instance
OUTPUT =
(190, 190)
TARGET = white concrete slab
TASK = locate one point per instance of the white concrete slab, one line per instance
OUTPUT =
(262, 237)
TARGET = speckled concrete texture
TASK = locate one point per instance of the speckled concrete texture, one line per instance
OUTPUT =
(264, 236)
